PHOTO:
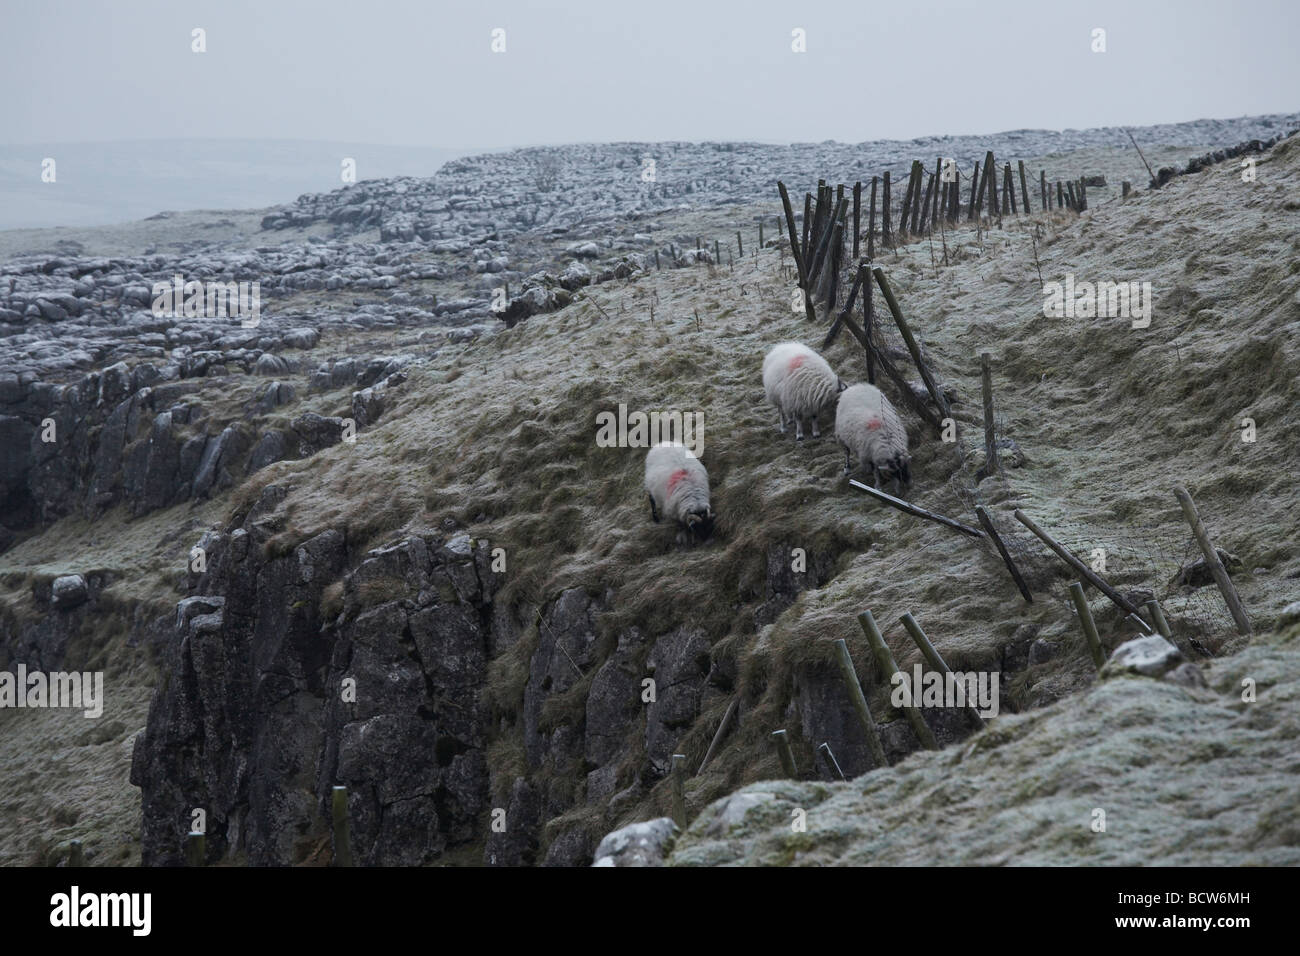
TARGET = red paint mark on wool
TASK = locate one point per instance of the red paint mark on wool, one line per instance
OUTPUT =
(873, 423)
(796, 362)
(675, 479)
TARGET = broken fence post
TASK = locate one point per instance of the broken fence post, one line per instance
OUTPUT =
(342, 828)
(678, 774)
(828, 759)
(911, 509)
(889, 668)
(1212, 560)
(723, 727)
(1123, 603)
(783, 751)
(1089, 625)
(936, 662)
(859, 700)
(987, 523)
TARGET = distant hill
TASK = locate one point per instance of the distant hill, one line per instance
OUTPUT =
(102, 183)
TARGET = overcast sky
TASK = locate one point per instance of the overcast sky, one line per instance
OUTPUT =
(406, 72)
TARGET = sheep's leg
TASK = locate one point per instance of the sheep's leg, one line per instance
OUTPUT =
(781, 412)
(798, 428)
(654, 512)
(875, 475)
(815, 430)
(848, 462)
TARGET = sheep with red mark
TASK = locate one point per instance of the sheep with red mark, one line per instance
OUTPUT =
(867, 425)
(800, 383)
(678, 488)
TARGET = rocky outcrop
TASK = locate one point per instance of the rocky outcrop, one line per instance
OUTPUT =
(269, 701)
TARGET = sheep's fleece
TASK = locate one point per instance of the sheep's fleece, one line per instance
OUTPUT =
(678, 487)
(867, 425)
(800, 383)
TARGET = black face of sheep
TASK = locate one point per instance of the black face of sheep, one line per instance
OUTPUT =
(898, 470)
(699, 525)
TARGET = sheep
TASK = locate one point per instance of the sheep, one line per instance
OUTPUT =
(678, 487)
(867, 425)
(800, 383)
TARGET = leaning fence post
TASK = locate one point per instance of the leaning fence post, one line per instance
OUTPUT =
(783, 751)
(1089, 625)
(723, 727)
(936, 662)
(888, 668)
(996, 538)
(940, 402)
(679, 790)
(1024, 188)
(1089, 575)
(799, 263)
(196, 849)
(859, 700)
(342, 828)
(990, 442)
(832, 765)
(1212, 559)
(1042, 186)
(1158, 618)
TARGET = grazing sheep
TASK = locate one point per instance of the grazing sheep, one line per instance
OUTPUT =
(800, 384)
(678, 488)
(867, 425)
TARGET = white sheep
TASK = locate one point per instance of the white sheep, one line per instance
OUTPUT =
(678, 488)
(867, 424)
(800, 383)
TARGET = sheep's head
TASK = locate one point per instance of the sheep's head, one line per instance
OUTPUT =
(699, 523)
(899, 470)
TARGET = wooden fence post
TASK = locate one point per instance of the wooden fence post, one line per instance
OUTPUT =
(886, 236)
(1158, 618)
(783, 751)
(1024, 187)
(1212, 560)
(342, 828)
(832, 765)
(1089, 625)
(991, 530)
(1042, 185)
(974, 194)
(723, 727)
(990, 441)
(940, 402)
(888, 668)
(196, 850)
(1123, 603)
(859, 701)
(857, 220)
(936, 662)
(678, 774)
